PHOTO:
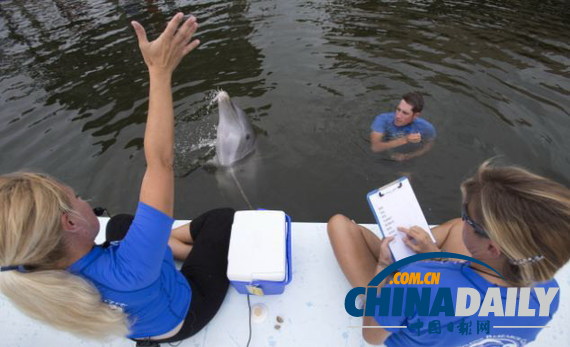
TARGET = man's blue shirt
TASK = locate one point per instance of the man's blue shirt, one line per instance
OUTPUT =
(138, 275)
(469, 331)
(384, 123)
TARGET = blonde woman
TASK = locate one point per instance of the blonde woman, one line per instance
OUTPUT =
(51, 269)
(513, 220)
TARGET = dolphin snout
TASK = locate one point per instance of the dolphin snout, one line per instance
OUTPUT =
(222, 96)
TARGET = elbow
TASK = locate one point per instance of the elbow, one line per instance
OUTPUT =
(158, 156)
(167, 163)
(164, 162)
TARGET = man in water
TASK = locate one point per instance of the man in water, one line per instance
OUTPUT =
(403, 128)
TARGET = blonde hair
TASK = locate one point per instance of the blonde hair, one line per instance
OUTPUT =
(527, 215)
(31, 234)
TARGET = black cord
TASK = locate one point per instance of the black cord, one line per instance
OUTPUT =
(486, 272)
(249, 306)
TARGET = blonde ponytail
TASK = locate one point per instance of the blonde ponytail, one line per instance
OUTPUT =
(63, 300)
(31, 206)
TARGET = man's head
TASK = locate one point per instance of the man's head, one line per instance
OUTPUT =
(408, 109)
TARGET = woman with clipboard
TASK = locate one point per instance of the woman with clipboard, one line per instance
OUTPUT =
(515, 221)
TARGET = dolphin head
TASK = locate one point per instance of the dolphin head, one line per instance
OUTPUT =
(235, 137)
(221, 97)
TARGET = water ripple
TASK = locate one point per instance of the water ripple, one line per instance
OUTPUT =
(311, 75)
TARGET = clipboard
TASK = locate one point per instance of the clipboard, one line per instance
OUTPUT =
(395, 205)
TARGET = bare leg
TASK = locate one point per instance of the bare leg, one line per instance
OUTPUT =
(181, 242)
(356, 249)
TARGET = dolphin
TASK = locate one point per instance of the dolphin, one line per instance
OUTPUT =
(235, 137)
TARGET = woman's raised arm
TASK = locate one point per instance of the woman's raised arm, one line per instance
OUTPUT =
(162, 56)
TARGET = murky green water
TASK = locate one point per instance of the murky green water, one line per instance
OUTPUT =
(310, 74)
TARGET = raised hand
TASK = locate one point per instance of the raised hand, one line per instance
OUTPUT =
(165, 53)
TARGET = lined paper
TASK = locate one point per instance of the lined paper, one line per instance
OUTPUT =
(395, 205)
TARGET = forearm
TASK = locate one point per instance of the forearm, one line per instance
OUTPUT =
(159, 133)
(162, 56)
(380, 146)
(420, 151)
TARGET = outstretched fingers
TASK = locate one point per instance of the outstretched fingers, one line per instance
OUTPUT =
(185, 33)
(140, 32)
(173, 25)
(186, 30)
(190, 47)
(166, 52)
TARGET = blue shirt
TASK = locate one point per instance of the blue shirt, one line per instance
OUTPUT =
(384, 124)
(138, 275)
(463, 331)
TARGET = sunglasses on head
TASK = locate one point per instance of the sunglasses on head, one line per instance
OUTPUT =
(465, 217)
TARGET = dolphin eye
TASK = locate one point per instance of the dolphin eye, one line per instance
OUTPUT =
(247, 136)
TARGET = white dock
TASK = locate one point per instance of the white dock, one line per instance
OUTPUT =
(312, 310)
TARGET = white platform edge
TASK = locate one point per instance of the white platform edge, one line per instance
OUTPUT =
(311, 308)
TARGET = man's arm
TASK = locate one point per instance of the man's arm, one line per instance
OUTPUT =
(377, 145)
(406, 156)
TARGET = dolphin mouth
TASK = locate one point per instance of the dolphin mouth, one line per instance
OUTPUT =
(226, 105)
(222, 96)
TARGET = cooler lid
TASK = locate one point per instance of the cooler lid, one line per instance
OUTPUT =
(257, 246)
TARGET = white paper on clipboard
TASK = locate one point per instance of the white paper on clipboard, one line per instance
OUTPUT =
(395, 205)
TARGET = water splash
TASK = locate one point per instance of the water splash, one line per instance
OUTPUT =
(195, 136)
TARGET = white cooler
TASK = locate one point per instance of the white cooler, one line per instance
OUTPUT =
(259, 258)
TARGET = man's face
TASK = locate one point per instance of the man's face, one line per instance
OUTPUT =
(404, 114)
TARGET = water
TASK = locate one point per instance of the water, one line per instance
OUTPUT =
(310, 75)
